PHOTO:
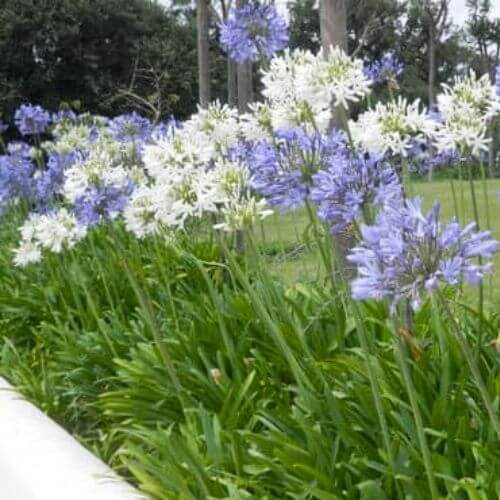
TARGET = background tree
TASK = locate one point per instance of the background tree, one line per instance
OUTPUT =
(203, 48)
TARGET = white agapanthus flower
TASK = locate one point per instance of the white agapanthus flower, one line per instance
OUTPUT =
(256, 125)
(466, 108)
(218, 123)
(98, 169)
(73, 138)
(178, 148)
(54, 232)
(332, 77)
(242, 212)
(140, 214)
(391, 127)
(290, 102)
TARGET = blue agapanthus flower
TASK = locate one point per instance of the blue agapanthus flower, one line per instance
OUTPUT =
(50, 182)
(351, 186)
(31, 120)
(406, 254)
(16, 178)
(282, 171)
(253, 31)
(101, 204)
(131, 127)
(389, 67)
(3, 127)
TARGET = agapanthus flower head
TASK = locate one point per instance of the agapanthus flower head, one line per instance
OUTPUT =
(217, 125)
(253, 31)
(467, 108)
(50, 182)
(385, 69)
(333, 78)
(352, 186)
(391, 127)
(16, 178)
(102, 203)
(407, 254)
(54, 231)
(131, 127)
(242, 212)
(282, 170)
(31, 120)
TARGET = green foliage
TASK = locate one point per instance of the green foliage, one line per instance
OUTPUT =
(270, 395)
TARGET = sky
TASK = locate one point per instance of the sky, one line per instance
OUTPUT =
(458, 9)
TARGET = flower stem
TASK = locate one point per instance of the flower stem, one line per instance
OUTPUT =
(401, 355)
(471, 361)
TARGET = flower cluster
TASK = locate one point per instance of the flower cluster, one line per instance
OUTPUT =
(253, 31)
(32, 120)
(282, 170)
(301, 87)
(54, 232)
(406, 253)
(391, 128)
(385, 69)
(466, 109)
(351, 186)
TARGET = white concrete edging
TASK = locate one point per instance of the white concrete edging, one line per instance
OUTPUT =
(41, 461)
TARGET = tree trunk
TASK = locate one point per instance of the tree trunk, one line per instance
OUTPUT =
(244, 78)
(333, 27)
(432, 68)
(333, 24)
(232, 96)
(245, 89)
(202, 18)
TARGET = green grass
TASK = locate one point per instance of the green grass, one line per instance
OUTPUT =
(294, 262)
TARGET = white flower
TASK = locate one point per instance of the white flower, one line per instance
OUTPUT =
(58, 230)
(98, 169)
(257, 124)
(231, 178)
(335, 78)
(219, 123)
(54, 232)
(139, 214)
(467, 108)
(242, 212)
(178, 148)
(391, 127)
(27, 252)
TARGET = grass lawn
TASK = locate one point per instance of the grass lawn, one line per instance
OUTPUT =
(295, 262)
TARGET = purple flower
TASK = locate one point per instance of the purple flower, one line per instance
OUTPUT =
(385, 69)
(51, 181)
(101, 203)
(163, 129)
(253, 31)
(131, 127)
(3, 127)
(31, 119)
(351, 186)
(282, 171)
(16, 178)
(406, 253)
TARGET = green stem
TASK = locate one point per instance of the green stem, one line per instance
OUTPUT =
(471, 361)
(481, 285)
(401, 355)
